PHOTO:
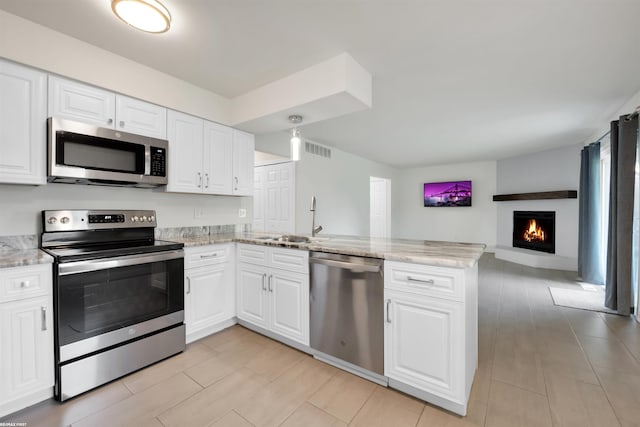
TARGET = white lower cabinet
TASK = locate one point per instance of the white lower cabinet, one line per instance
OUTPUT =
(275, 299)
(431, 341)
(26, 336)
(209, 289)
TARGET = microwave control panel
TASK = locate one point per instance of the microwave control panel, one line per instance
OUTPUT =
(158, 162)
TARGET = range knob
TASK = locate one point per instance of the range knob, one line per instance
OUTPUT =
(144, 218)
(64, 220)
(52, 220)
(134, 219)
(152, 218)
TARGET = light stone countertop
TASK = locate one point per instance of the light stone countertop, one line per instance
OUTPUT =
(21, 257)
(445, 254)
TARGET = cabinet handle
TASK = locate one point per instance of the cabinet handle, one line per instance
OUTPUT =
(236, 178)
(206, 175)
(25, 284)
(188, 285)
(199, 180)
(121, 123)
(411, 279)
(264, 278)
(43, 313)
(270, 287)
(208, 256)
(109, 121)
(388, 317)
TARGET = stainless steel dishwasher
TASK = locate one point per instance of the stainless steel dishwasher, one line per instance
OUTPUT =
(347, 310)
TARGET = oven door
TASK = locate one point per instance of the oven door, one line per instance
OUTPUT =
(104, 302)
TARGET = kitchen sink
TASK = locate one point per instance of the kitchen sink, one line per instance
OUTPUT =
(292, 238)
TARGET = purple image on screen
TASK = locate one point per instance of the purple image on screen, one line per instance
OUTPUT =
(450, 193)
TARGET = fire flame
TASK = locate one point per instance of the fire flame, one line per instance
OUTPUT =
(534, 232)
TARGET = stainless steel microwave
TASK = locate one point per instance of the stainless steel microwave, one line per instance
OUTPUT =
(80, 153)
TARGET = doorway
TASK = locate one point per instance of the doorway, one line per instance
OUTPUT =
(379, 207)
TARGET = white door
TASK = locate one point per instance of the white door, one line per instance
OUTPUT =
(289, 304)
(26, 353)
(243, 157)
(184, 133)
(218, 158)
(423, 343)
(252, 294)
(259, 175)
(76, 101)
(280, 198)
(142, 118)
(22, 124)
(206, 296)
(380, 202)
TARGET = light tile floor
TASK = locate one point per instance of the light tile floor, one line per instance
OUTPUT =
(539, 365)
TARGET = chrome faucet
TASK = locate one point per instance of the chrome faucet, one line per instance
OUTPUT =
(314, 230)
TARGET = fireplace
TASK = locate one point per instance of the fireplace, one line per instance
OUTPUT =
(534, 230)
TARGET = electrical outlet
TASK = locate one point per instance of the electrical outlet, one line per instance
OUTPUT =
(242, 213)
(198, 213)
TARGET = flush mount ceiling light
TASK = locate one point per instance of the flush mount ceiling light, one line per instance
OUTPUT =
(146, 15)
(295, 137)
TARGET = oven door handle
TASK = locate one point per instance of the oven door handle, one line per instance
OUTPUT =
(87, 266)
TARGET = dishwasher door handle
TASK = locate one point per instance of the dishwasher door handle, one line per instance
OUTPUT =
(344, 264)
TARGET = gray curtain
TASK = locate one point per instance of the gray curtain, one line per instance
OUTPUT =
(590, 265)
(624, 136)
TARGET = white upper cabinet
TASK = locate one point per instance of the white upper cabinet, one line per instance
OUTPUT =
(88, 104)
(23, 94)
(217, 158)
(207, 157)
(140, 117)
(76, 101)
(185, 148)
(243, 159)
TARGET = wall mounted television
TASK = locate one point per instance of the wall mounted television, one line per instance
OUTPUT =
(449, 193)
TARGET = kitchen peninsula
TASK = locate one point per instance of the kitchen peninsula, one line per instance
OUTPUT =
(430, 301)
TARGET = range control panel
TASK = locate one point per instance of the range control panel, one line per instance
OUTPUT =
(77, 220)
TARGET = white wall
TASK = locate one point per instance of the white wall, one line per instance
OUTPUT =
(20, 205)
(550, 170)
(475, 224)
(340, 184)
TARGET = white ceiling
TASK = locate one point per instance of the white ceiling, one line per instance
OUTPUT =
(453, 80)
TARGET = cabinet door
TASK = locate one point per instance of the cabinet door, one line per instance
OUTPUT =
(423, 343)
(76, 101)
(243, 159)
(289, 304)
(22, 124)
(280, 198)
(184, 133)
(218, 158)
(252, 295)
(142, 118)
(258, 198)
(26, 354)
(207, 299)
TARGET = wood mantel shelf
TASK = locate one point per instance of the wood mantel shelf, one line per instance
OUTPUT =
(542, 195)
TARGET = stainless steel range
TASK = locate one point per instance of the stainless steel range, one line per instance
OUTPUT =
(118, 295)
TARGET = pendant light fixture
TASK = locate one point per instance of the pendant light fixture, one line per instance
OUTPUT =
(146, 15)
(295, 140)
